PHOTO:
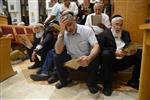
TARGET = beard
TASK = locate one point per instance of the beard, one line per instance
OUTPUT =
(39, 34)
(116, 31)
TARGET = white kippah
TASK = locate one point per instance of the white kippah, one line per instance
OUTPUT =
(116, 18)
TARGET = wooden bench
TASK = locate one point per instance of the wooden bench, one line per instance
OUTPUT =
(16, 31)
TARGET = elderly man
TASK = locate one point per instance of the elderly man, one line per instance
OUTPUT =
(44, 72)
(80, 43)
(105, 23)
(38, 29)
(114, 56)
(42, 43)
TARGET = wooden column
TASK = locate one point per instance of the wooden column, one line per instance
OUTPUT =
(3, 20)
(145, 66)
(5, 67)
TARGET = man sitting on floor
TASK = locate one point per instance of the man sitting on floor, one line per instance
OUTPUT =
(47, 70)
(81, 44)
(114, 56)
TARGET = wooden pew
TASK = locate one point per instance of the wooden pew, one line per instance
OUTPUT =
(16, 31)
(29, 32)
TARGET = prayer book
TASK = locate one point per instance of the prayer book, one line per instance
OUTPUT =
(25, 41)
(129, 48)
(96, 19)
(73, 64)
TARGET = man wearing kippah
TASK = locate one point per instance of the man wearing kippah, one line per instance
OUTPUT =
(76, 42)
(114, 57)
(103, 20)
(44, 72)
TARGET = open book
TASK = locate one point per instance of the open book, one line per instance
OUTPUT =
(129, 48)
(25, 41)
(73, 64)
(96, 19)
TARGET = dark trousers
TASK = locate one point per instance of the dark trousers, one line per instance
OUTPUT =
(63, 73)
(109, 64)
(37, 62)
(29, 52)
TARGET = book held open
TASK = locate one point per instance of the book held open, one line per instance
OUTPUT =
(128, 49)
(96, 19)
(73, 64)
(25, 40)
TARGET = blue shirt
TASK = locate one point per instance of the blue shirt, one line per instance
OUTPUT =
(56, 11)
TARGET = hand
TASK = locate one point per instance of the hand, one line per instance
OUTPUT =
(63, 23)
(86, 13)
(101, 26)
(33, 56)
(120, 53)
(84, 61)
(45, 24)
(133, 51)
(63, 11)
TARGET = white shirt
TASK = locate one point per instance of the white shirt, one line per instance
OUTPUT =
(56, 11)
(72, 7)
(105, 21)
(39, 35)
(80, 43)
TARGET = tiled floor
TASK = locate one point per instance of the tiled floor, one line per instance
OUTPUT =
(18, 87)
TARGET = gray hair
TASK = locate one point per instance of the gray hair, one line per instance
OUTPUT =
(68, 15)
(39, 25)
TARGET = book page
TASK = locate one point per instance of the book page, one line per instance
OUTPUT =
(39, 57)
(129, 48)
(25, 41)
(73, 64)
(96, 19)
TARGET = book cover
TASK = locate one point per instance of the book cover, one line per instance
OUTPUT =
(73, 64)
(96, 19)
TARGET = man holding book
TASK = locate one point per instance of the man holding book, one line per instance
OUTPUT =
(115, 55)
(76, 42)
(98, 20)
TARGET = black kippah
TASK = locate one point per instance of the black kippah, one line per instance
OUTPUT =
(116, 16)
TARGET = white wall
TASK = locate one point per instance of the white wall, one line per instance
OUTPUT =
(33, 11)
(15, 10)
(48, 9)
(1, 6)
